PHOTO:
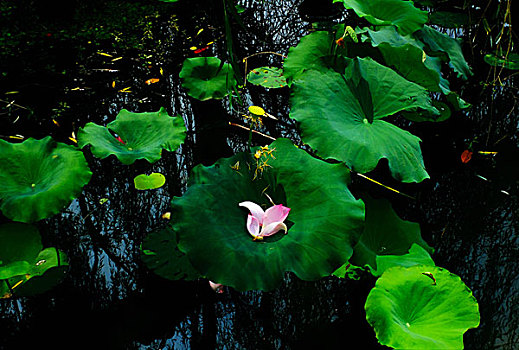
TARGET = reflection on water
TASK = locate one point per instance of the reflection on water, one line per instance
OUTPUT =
(110, 300)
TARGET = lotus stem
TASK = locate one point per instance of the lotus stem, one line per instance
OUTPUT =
(254, 131)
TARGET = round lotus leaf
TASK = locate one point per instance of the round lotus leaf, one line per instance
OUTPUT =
(207, 78)
(141, 136)
(402, 14)
(324, 222)
(38, 178)
(340, 117)
(385, 234)
(161, 255)
(149, 182)
(269, 77)
(421, 307)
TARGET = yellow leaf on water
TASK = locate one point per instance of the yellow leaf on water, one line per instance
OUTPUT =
(257, 110)
(104, 54)
(152, 81)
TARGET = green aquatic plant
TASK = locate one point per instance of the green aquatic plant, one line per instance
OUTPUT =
(38, 178)
(421, 307)
(402, 14)
(268, 77)
(160, 253)
(207, 78)
(324, 221)
(140, 136)
(149, 182)
(340, 116)
(445, 47)
(25, 267)
(385, 234)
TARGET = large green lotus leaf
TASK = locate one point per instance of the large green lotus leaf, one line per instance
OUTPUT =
(402, 14)
(421, 307)
(19, 242)
(38, 178)
(268, 77)
(144, 135)
(48, 269)
(439, 42)
(160, 253)
(323, 224)
(207, 78)
(405, 54)
(340, 117)
(15, 268)
(385, 234)
(416, 256)
(310, 54)
(38, 270)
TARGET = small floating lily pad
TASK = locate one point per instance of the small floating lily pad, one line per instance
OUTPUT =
(207, 78)
(421, 307)
(324, 222)
(25, 268)
(140, 136)
(149, 182)
(268, 77)
(38, 178)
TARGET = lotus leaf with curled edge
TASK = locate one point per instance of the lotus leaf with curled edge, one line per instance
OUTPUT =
(38, 178)
(340, 116)
(385, 234)
(140, 136)
(402, 14)
(421, 307)
(26, 268)
(324, 221)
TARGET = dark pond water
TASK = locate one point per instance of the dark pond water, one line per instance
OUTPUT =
(51, 60)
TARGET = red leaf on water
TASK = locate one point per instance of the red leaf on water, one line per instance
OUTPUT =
(121, 140)
(466, 156)
(202, 49)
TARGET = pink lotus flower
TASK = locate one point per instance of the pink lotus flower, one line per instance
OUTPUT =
(270, 220)
(217, 287)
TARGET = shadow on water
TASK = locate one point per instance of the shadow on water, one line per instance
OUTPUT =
(468, 212)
